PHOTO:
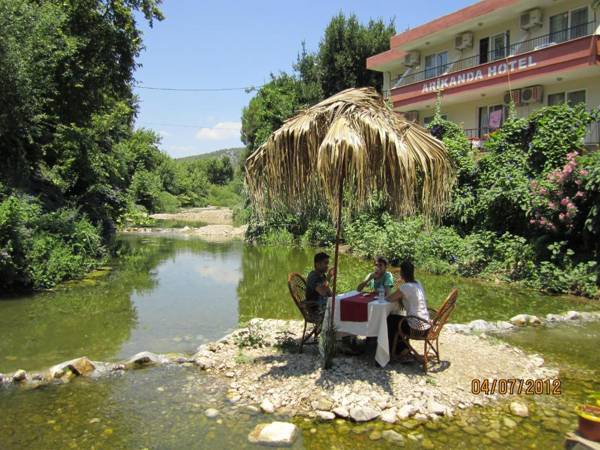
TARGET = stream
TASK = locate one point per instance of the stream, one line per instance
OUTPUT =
(171, 294)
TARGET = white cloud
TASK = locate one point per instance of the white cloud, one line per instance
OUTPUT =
(220, 132)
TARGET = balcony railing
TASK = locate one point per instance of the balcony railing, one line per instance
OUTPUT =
(592, 136)
(515, 49)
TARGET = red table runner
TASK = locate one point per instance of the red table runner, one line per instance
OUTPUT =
(356, 308)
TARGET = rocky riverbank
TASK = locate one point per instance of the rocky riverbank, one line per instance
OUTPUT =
(262, 371)
(208, 232)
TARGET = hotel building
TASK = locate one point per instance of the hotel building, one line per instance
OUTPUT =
(539, 52)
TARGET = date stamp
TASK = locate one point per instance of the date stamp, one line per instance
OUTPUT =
(516, 386)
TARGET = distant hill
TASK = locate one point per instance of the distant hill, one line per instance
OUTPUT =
(234, 154)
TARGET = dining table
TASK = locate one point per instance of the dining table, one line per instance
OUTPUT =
(361, 314)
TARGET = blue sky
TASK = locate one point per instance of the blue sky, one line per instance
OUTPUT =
(216, 44)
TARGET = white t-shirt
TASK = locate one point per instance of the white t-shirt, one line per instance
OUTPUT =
(415, 303)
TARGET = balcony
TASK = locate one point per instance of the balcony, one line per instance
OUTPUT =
(498, 54)
(478, 135)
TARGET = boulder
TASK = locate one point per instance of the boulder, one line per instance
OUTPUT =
(19, 376)
(323, 404)
(572, 315)
(325, 415)
(436, 408)
(79, 366)
(389, 415)
(144, 359)
(521, 320)
(267, 407)
(407, 411)
(364, 413)
(393, 437)
(519, 409)
(341, 411)
(554, 318)
(502, 325)
(508, 422)
(480, 325)
(275, 434)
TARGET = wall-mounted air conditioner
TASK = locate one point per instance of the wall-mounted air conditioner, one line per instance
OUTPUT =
(463, 41)
(531, 19)
(412, 59)
(516, 97)
(532, 94)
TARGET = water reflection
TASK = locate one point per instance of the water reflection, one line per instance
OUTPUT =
(169, 294)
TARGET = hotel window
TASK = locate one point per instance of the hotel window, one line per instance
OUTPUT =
(569, 25)
(572, 98)
(491, 118)
(494, 47)
(436, 64)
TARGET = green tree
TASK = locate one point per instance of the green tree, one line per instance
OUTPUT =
(344, 49)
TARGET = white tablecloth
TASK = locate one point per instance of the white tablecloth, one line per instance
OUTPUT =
(375, 326)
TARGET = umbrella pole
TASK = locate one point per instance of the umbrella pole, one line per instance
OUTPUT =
(337, 247)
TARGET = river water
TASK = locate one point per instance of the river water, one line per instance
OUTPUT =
(167, 294)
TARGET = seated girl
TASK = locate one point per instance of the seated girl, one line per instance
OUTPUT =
(411, 295)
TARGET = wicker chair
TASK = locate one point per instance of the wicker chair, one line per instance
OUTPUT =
(428, 336)
(311, 312)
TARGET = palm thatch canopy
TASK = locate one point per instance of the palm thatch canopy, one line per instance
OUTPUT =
(356, 138)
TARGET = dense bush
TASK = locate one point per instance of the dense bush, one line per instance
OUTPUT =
(320, 233)
(40, 249)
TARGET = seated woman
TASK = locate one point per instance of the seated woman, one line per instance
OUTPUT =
(412, 296)
(380, 278)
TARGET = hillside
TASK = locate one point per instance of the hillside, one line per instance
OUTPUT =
(234, 155)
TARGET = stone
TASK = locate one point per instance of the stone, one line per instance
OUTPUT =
(94, 420)
(407, 411)
(554, 318)
(393, 437)
(508, 422)
(436, 408)
(503, 325)
(325, 415)
(375, 435)
(323, 404)
(211, 413)
(521, 320)
(493, 435)
(144, 359)
(428, 444)
(389, 415)
(341, 411)
(267, 407)
(519, 409)
(79, 366)
(276, 434)
(480, 325)
(421, 417)
(19, 376)
(572, 315)
(364, 414)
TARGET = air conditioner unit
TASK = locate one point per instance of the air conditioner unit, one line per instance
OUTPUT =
(412, 59)
(412, 116)
(531, 19)
(516, 97)
(532, 94)
(463, 41)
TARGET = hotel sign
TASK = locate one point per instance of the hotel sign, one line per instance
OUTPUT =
(494, 70)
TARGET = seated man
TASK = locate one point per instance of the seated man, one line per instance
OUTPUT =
(412, 296)
(317, 284)
(380, 278)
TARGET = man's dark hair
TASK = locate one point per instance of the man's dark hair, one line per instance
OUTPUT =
(382, 259)
(320, 257)
(407, 269)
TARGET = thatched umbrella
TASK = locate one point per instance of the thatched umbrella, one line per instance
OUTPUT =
(352, 141)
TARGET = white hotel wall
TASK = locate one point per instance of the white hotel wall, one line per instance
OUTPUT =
(467, 114)
(516, 35)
